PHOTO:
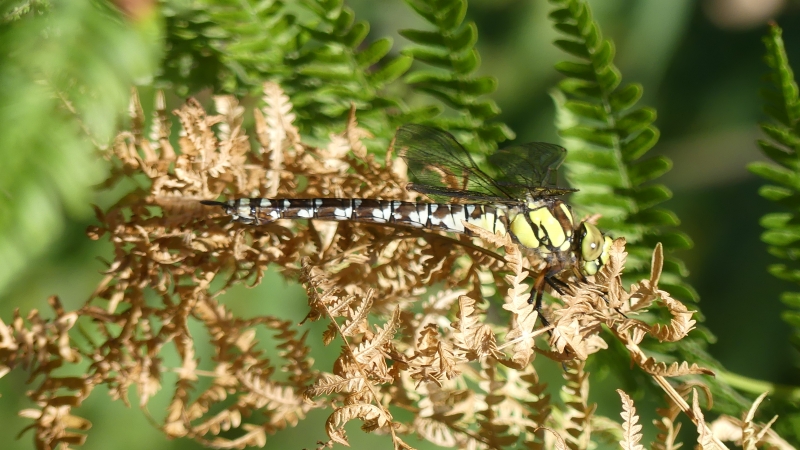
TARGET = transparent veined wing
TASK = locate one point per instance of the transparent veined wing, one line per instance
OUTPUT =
(440, 166)
(531, 167)
(451, 193)
(437, 163)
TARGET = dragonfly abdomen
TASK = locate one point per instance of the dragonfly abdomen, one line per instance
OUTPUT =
(433, 216)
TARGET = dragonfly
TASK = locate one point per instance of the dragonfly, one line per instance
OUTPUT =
(515, 195)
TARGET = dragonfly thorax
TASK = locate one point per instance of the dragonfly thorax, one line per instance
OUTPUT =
(546, 227)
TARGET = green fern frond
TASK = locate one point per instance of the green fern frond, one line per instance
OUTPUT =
(782, 104)
(314, 49)
(450, 50)
(607, 135)
(336, 70)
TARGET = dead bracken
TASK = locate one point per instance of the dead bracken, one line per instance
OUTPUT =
(462, 380)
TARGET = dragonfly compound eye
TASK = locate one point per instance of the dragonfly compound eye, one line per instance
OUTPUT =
(594, 249)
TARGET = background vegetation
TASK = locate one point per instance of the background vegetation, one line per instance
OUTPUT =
(700, 65)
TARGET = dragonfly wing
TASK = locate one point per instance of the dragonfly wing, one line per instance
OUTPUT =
(445, 192)
(436, 160)
(534, 164)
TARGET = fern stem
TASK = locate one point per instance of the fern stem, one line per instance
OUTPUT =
(754, 386)
(618, 159)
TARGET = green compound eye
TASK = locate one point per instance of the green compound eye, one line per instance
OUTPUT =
(595, 249)
(591, 242)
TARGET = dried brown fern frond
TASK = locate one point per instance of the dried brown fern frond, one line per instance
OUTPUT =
(538, 410)
(444, 415)
(425, 347)
(434, 360)
(667, 426)
(184, 260)
(492, 428)
(472, 337)
(42, 347)
(576, 420)
(748, 434)
(630, 426)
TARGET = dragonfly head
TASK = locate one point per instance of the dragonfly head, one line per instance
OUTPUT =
(593, 247)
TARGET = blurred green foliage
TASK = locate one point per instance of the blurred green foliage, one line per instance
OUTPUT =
(782, 105)
(66, 69)
(782, 147)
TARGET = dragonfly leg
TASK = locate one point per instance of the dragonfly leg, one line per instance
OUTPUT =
(557, 285)
(254, 211)
(536, 296)
(619, 311)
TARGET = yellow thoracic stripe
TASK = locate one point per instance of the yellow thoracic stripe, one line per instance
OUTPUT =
(523, 231)
(548, 227)
(568, 215)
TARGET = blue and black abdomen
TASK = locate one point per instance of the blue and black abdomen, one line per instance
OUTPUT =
(432, 216)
